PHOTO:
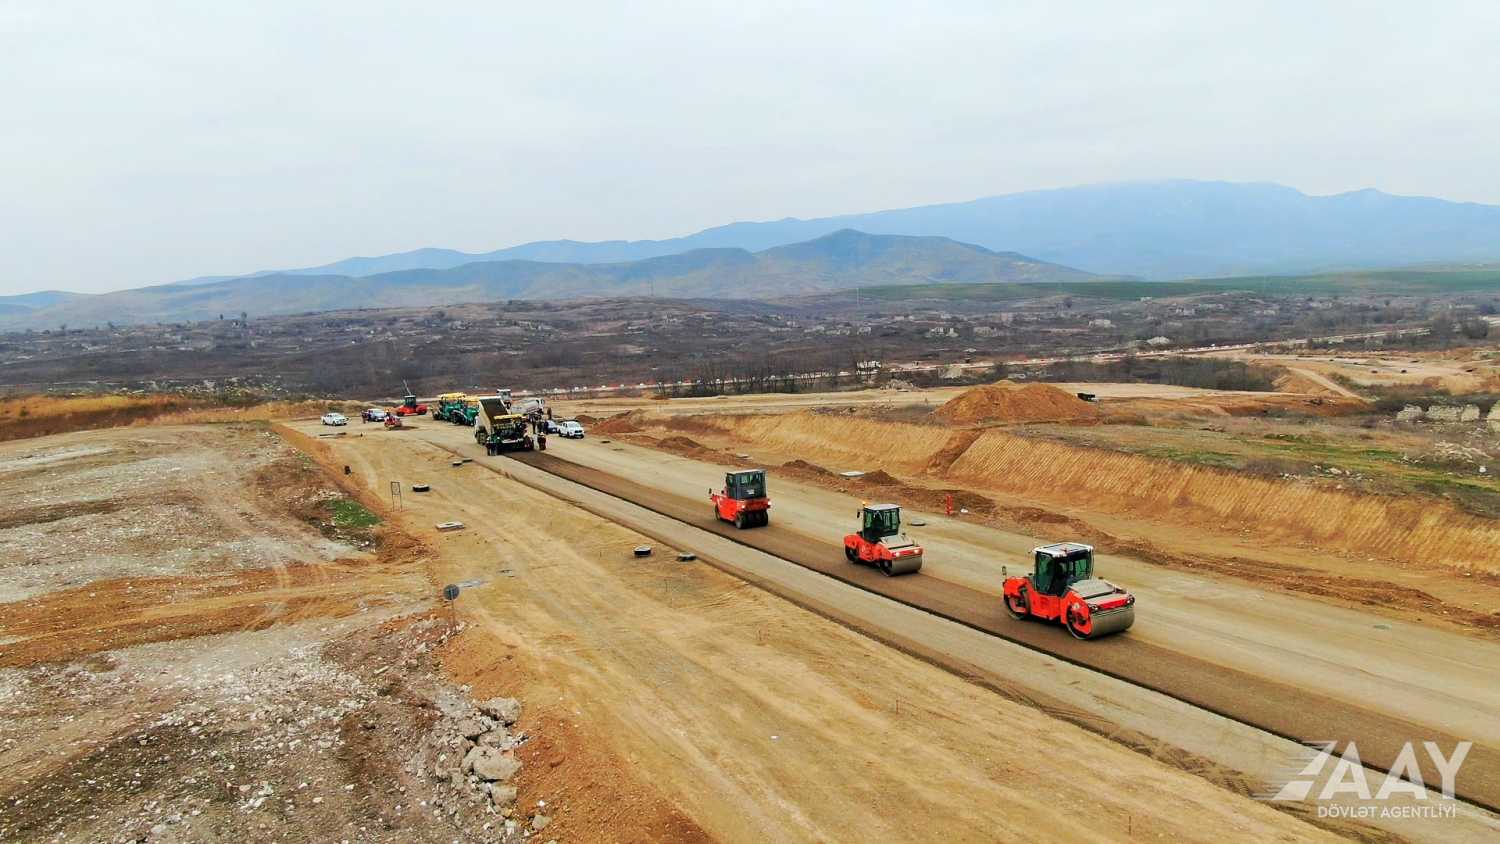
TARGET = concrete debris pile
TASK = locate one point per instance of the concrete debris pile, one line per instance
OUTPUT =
(1410, 413)
(1453, 413)
(471, 755)
(1458, 453)
(1336, 472)
(459, 769)
(1450, 414)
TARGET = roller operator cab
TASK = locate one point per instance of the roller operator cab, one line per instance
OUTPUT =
(1062, 587)
(743, 500)
(881, 543)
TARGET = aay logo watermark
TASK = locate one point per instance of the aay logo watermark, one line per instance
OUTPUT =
(1344, 787)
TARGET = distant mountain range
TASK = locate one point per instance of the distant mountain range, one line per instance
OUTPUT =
(1155, 230)
(26, 303)
(838, 260)
(1151, 230)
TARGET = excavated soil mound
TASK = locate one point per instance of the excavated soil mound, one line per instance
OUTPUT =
(806, 468)
(621, 423)
(1293, 382)
(685, 446)
(585, 419)
(935, 499)
(1006, 401)
(681, 443)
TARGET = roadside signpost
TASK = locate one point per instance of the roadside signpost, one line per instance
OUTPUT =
(450, 595)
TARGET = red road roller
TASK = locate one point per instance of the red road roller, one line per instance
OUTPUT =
(881, 543)
(1063, 588)
(743, 500)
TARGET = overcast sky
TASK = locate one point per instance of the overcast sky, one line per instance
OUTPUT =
(147, 142)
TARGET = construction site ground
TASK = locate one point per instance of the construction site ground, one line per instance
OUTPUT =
(220, 640)
(1457, 371)
(208, 634)
(1337, 651)
(761, 719)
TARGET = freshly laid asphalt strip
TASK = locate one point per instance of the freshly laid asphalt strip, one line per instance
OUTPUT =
(1283, 710)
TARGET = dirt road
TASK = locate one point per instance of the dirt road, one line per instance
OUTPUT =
(1154, 661)
(760, 719)
(650, 463)
(1123, 394)
(1457, 372)
(1407, 672)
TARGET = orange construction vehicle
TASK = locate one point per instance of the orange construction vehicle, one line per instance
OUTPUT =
(743, 500)
(1063, 588)
(881, 543)
(409, 404)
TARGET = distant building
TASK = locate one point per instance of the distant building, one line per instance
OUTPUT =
(1159, 341)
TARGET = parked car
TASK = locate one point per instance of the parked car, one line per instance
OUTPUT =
(373, 414)
(570, 430)
(332, 418)
(550, 427)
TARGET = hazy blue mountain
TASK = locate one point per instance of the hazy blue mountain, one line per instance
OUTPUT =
(39, 299)
(25, 305)
(839, 260)
(1158, 230)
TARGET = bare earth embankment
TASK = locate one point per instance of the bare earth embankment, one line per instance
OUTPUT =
(215, 631)
(1419, 556)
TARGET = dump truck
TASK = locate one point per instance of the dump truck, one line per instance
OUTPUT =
(880, 542)
(499, 430)
(1062, 588)
(743, 500)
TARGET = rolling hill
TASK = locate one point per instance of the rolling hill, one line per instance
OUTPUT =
(27, 303)
(1156, 230)
(839, 260)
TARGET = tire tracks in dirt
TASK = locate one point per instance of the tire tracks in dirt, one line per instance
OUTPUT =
(1276, 708)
